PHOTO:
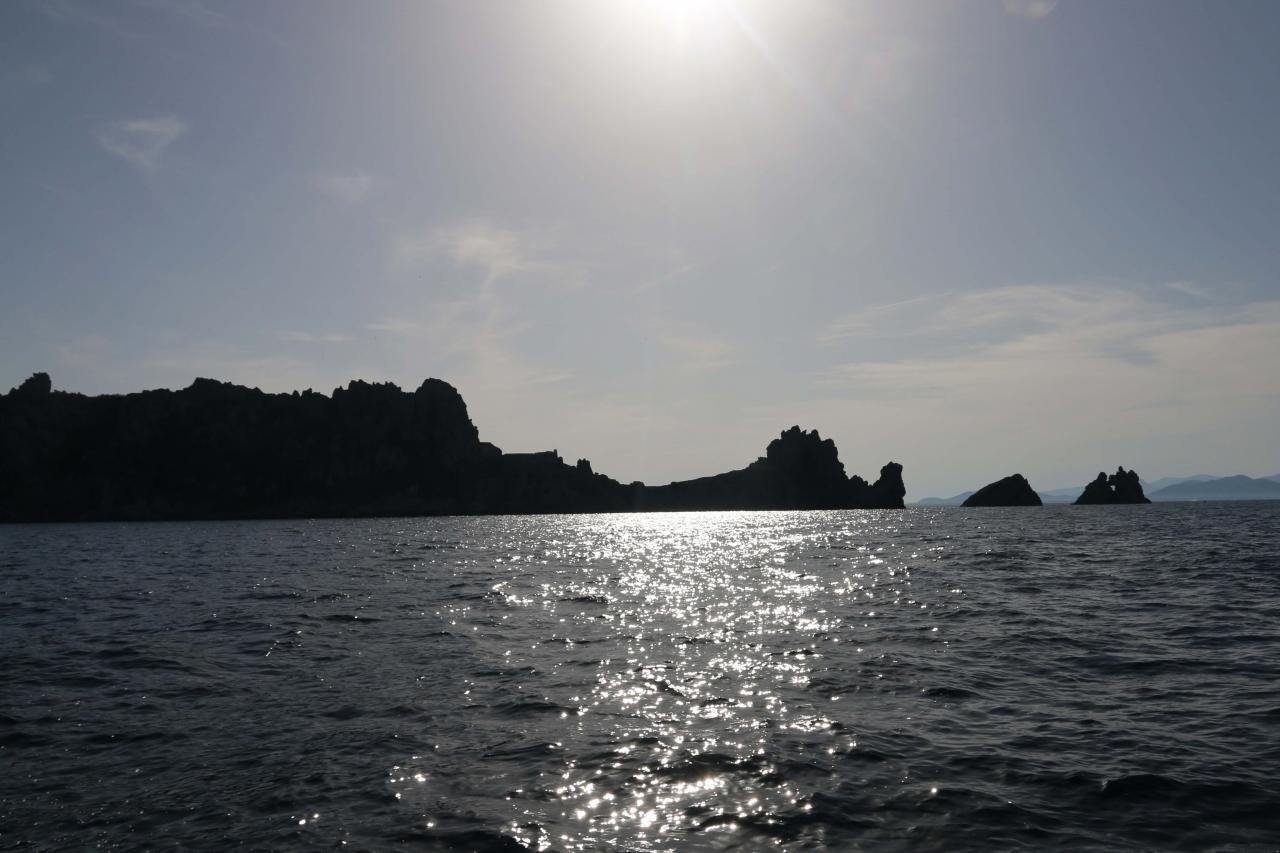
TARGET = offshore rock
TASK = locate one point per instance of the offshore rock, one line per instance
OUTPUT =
(1013, 490)
(217, 450)
(1122, 487)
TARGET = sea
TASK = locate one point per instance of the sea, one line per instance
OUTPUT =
(1071, 678)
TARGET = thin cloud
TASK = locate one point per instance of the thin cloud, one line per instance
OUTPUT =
(952, 324)
(699, 352)
(142, 142)
(348, 187)
(1053, 344)
(393, 326)
(24, 79)
(85, 15)
(496, 252)
(1033, 9)
(91, 15)
(297, 337)
(664, 278)
(192, 11)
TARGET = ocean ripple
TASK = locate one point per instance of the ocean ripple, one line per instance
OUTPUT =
(933, 679)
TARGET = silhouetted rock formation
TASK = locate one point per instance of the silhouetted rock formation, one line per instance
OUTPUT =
(800, 470)
(216, 450)
(1010, 491)
(1122, 487)
(37, 385)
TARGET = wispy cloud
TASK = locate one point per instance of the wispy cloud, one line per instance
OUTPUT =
(95, 15)
(85, 15)
(476, 338)
(298, 337)
(348, 187)
(496, 252)
(24, 79)
(396, 326)
(701, 351)
(1034, 9)
(671, 266)
(141, 142)
(83, 352)
(192, 11)
(1089, 349)
(1118, 317)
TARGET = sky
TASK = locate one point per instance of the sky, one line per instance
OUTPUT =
(973, 237)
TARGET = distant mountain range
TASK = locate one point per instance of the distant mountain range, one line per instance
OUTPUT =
(954, 500)
(1237, 488)
(1198, 487)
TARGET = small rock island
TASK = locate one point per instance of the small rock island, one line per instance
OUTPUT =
(1013, 490)
(1122, 487)
(216, 450)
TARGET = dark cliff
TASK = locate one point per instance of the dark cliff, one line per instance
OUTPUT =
(1122, 487)
(1013, 490)
(216, 450)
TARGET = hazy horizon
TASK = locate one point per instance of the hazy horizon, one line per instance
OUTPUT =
(974, 238)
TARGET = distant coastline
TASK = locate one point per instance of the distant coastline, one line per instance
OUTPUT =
(216, 450)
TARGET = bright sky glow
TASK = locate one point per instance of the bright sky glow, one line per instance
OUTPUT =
(977, 238)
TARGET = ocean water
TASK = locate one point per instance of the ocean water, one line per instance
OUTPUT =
(929, 679)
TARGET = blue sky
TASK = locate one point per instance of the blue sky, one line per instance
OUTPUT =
(975, 237)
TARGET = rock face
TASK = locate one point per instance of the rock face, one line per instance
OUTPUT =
(216, 450)
(1122, 487)
(1013, 490)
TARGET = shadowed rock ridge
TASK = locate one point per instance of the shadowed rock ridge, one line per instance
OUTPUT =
(217, 450)
(1013, 490)
(1122, 487)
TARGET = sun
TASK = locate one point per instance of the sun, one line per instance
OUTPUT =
(684, 18)
(681, 23)
(669, 48)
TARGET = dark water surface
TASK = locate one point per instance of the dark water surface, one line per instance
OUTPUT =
(1067, 677)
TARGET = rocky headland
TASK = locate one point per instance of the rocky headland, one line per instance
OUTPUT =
(1013, 490)
(1122, 487)
(217, 450)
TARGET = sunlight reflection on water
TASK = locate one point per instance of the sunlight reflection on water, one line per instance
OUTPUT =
(681, 658)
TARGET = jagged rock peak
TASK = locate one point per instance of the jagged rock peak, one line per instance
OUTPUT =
(891, 471)
(38, 384)
(1122, 487)
(795, 446)
(202, 385)
(437, 386)
(889, 490)
(1013, 490)
(360, 387)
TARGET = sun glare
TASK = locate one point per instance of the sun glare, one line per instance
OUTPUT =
(683, 24)
(684, 18)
